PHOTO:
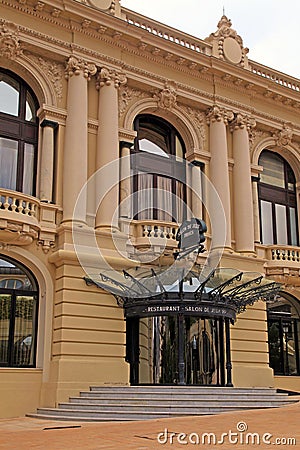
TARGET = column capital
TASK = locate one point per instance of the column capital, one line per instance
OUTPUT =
(241, 121)
(75, 66)
(219, 114)
(107, 76)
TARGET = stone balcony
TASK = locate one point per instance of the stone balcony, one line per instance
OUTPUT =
(283, 263)
(24, 218)
(149, 239)
(153, 239)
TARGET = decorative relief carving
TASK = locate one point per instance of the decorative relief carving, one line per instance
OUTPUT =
(229, 43)
(225, 30)
(53, 71)
(242, 121)
(77, 65)
(284, 137)
(167, 97)
(40, 6)
(16, 234)
(127, 95)
(9, 40)
(104, 5)
(46, 244)
(256, 136)
(218, 114)
(198, 118)
(108, 76)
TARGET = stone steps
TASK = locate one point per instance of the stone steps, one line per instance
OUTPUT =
(122, 403)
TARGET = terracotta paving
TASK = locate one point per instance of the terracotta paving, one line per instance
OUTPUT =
(278, 427)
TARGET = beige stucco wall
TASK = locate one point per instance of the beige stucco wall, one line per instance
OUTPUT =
(81, 328)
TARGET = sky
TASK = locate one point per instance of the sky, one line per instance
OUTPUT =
(269, 28)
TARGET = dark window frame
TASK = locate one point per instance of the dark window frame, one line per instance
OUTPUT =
(14, 293)
(295, 326)
(279, 196)
(155, 165)
(17, 128)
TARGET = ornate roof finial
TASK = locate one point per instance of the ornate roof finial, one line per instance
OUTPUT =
(223, 10)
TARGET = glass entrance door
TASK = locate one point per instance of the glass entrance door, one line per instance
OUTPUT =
(162, 348)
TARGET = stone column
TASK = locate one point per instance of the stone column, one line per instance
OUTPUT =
(47, 160)
(219, 175)
(242, 189)
(109, 82)
(78, 73)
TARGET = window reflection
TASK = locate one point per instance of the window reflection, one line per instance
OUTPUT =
(18, 142)
(9, 95)
(158, 171)
(18, 315)
(277, 197)
(283, 332)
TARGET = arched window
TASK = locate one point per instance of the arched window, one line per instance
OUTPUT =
(158, 171)
(277, 197)
(284, 336)
(18, 134)
(18, 314)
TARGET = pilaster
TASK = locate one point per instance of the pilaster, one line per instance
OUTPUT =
(47, 160)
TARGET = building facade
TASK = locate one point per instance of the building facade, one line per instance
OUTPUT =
(114, 129)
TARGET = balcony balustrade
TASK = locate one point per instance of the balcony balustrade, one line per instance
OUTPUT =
(283, 263)
(23, 219)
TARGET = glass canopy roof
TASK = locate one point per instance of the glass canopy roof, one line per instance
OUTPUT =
(224, 292)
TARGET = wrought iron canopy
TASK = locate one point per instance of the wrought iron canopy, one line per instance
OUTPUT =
(145, 292)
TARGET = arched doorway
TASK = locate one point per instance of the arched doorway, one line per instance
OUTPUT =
(284, 335)
(18, 314)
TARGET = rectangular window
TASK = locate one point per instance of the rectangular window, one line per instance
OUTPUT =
(5, 315)
(144, 197)
(28, 174)
(281, 225)
(25, 314)
(293, 226)
(8, 163)
(266, 223)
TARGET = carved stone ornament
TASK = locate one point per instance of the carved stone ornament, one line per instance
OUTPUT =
(16, 234)
(127, 95)
(53, 71)
(197, 117)
(108, 76)
(284, 136)
(9, 40)
(218, 114)
(241, 121)
(104, 5)
(229, 44)
(167, 97)
(77, 65)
